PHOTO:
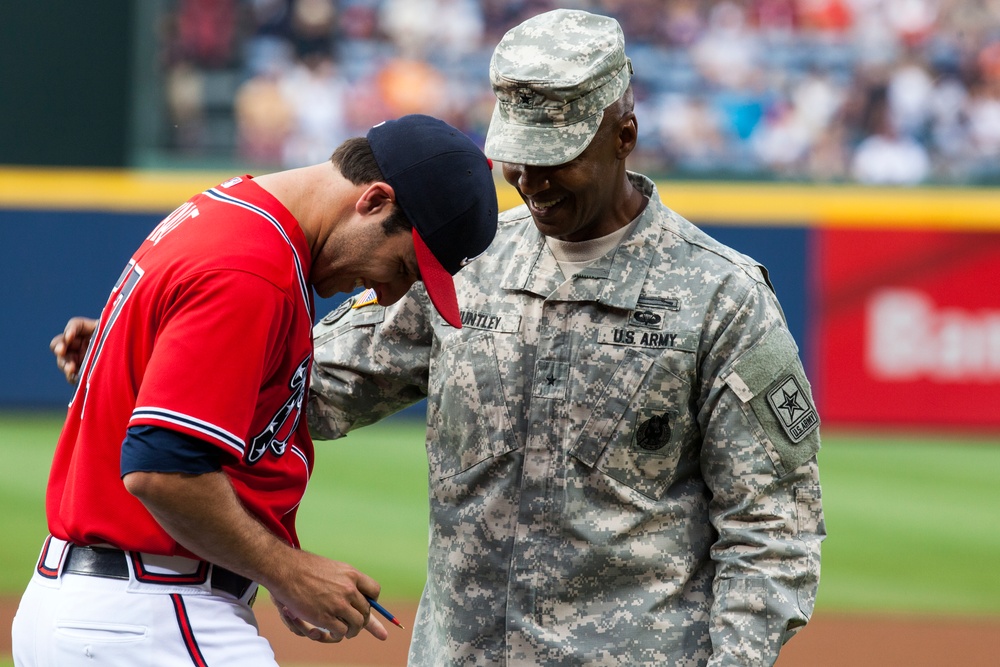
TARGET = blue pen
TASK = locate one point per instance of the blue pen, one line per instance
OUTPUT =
(382, 610)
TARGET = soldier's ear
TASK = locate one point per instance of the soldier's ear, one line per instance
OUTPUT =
(628, 135)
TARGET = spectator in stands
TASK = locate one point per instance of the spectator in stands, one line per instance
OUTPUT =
(887, 156)
(795, 70)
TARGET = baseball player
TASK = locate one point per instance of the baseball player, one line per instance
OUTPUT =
(621, 438)
(175, 482)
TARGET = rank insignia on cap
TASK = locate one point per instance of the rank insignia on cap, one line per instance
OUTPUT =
(366, 298)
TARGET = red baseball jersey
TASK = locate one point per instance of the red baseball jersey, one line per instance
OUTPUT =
(208, 331)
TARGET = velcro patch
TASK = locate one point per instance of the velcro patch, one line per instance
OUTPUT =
(769, 378)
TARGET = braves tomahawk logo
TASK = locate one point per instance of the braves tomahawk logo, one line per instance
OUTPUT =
(282, 425)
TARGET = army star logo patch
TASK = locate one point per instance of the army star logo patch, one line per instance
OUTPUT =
(793, 408)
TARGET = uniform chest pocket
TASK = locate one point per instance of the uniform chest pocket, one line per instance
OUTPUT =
(641, 424)
(467, 414)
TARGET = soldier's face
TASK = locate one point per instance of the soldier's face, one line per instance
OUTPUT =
(578, 200)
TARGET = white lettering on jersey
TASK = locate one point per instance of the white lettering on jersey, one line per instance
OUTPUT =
(168, 224)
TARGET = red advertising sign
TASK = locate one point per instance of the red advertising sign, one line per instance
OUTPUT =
(908, 329)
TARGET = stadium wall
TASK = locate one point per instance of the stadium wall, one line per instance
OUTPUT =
(892, 294)
(65, 80)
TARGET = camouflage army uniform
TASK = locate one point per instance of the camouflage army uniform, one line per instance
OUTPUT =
(622, 465)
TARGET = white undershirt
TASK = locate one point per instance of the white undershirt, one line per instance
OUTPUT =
(573, 256)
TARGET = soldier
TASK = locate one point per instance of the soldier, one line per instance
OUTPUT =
(621, 437)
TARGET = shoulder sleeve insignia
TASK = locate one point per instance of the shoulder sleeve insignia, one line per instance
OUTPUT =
(769, 377)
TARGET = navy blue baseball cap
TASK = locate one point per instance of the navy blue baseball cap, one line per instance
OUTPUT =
(444, 184)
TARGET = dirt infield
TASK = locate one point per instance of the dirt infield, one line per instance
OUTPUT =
(830, 640)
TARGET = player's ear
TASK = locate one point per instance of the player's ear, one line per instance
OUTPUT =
(376, 199)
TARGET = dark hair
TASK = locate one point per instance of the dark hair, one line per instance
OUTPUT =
(356, 162)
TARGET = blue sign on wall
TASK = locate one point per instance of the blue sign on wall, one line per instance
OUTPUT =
(784, 251)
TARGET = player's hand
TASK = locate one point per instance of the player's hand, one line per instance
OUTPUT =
(71, 346)
(203, 513)
(302, 628)
(313, 632)
(326, 600)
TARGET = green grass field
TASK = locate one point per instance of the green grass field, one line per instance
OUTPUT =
(913, 522)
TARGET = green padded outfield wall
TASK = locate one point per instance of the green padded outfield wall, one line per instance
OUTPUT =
(64, 82)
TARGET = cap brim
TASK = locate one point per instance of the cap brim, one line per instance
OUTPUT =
(540, 145)
(438, 282)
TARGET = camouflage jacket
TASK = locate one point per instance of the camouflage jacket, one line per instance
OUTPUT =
(622, 465)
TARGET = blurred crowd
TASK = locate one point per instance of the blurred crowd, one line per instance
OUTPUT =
(894, 92)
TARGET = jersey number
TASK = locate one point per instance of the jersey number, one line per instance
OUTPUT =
(121, 292)
(119, 296)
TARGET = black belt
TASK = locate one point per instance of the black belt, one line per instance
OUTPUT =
(113, 564)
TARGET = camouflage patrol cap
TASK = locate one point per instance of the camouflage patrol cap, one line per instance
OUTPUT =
(553, 76)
